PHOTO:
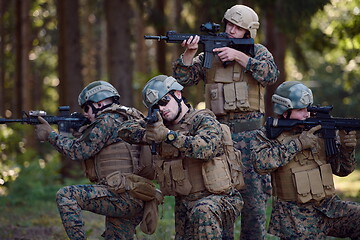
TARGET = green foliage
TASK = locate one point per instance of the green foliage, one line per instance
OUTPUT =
(332, 49)
(37, 181)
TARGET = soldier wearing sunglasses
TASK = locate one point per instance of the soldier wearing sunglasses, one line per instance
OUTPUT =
(111, 164)
(190, 164)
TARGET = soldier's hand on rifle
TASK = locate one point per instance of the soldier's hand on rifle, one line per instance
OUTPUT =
(308, 139)
(43, 130)
(191, 45)
(348, 139)
(157, 131)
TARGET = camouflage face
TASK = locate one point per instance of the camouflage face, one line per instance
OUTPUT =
(96, 92)
(157, 88)
(291, 95)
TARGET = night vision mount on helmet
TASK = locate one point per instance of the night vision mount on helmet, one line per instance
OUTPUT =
(96, 92)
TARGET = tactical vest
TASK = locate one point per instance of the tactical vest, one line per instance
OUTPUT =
(180, 175)
(231, 89)
(308, 177)
(120, 157)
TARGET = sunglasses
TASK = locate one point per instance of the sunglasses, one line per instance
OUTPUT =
(164, 101)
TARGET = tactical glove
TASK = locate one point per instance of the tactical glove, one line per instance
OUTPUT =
(43, 130)
(348, 140)
(157, 131)
(308, 139)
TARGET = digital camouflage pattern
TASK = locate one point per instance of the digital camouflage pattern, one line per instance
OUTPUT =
(312, 220)
(123, 212)
(210, 217)
(200, 215)
(264, 70)
(257, 190)
(203, 140)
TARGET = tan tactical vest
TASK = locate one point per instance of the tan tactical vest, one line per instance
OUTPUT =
(118, 157)
(308, 177)
(231, 89)
(179, 175)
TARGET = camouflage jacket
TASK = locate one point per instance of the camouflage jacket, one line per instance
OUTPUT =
(99, 134)
(269, 154)
(203, 141)
(262, 68)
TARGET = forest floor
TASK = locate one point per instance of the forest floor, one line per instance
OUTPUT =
(41, 220)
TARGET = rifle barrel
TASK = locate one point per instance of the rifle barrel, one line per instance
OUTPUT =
(6, 120)
(156, 37)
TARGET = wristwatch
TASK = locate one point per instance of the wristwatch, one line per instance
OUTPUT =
(171, 136)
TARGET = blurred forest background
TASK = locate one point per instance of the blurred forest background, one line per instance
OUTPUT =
(51, 49)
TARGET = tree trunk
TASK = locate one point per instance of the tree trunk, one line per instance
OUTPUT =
(276, 44)
(69, 65)
(120, 64)
(159, 23)
(2, 62)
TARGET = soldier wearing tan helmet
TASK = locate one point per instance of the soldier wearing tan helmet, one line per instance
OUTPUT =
(192, 162)
(305, 204)
(235, 94)
(113, 167)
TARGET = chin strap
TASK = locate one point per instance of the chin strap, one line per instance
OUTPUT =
(178, 102)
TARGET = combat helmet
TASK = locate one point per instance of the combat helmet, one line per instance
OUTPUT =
(96, 92)
(244, 17)
(157, 87)
(291, 95)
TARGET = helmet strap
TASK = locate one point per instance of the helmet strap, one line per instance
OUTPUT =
(288, 114)
(178, 102)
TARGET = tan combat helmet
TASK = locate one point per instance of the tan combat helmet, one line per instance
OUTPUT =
(244, 17)
(291, 95)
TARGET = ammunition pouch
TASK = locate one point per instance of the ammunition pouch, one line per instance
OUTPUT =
(216, 175)
(231, 89)
(306, 178)
(138, 187)
(151, 214)
(172, 177)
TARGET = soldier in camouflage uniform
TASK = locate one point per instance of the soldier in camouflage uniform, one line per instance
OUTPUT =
(235, 93)
(190, 164)
(110, 164)
(305, 204)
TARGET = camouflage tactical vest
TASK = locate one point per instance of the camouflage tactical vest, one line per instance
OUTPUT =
(119, 157)
(231, 89)
(308, 177)
(179, 175)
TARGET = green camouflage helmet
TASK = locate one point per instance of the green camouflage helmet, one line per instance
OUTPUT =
(291, 95)
(157, 88)
(96, 92)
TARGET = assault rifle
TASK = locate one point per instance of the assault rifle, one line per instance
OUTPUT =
(65, 120)
(319, 116)
(210, 41)
(151, 119)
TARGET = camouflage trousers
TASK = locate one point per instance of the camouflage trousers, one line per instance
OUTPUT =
(333, 217)
(209, 217)
(256, 193)
(123, 212)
